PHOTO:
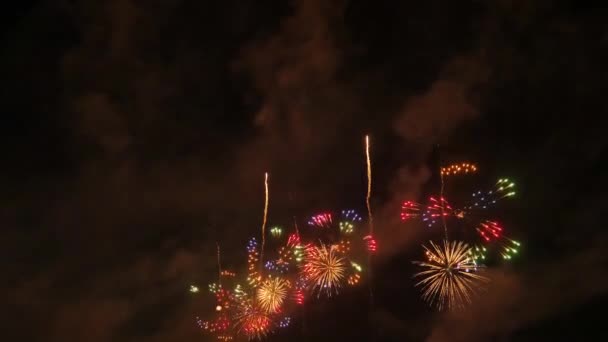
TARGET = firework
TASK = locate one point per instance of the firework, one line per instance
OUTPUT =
(509, 248)
(343, 247)
(456, 169)
(370, 243)
(276, 231)
(355, 276)
(489, 230)
(272, 293)
(474, 215)
(321, 220)
(220, 326)
(253, 276)
(347, 225)
(324, 269)
(431, 214)
(300, 286)
(484, 199)
(227, 273)
(450, 279)
(369, 185)
(251, 320)
(265, 216)
(477, 253)
(285, 322)
(410, 210)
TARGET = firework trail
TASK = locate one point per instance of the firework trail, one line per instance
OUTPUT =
(369, 186)
(264, 220)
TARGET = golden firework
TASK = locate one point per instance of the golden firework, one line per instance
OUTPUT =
(324, 269)
(449, 281)
(271, 294)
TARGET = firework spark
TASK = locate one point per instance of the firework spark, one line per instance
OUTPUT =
(484, 199)
(253, 276)
(449, 281)
(456, 169)
(321, 220)
(370, 243)
(271, 294)
(324, 269)
(276, 231)
(220, 326)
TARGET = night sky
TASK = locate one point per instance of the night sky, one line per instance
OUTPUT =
(136, 134)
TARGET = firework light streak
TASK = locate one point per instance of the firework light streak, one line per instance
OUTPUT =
(272, 293)
(265, 217)
(369, 186)
(449, 281)
(324, 269)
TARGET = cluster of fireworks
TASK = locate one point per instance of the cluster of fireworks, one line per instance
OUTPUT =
(325, 259)
(296, 271)
(452, 270)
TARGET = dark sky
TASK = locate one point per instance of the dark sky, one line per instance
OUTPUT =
(136, 134)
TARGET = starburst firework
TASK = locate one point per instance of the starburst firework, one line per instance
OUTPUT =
(250, 319)
(272, 293)
(449, 281)
(324, 269)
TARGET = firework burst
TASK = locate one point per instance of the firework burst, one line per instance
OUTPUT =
(251, 320)
(324, 269)
(321, 220)
(271, 294)
(450, 279)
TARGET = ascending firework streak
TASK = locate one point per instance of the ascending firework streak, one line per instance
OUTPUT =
(369, 239)
(369, 186)
(449, 281)
(219, 264)
(264, 220)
